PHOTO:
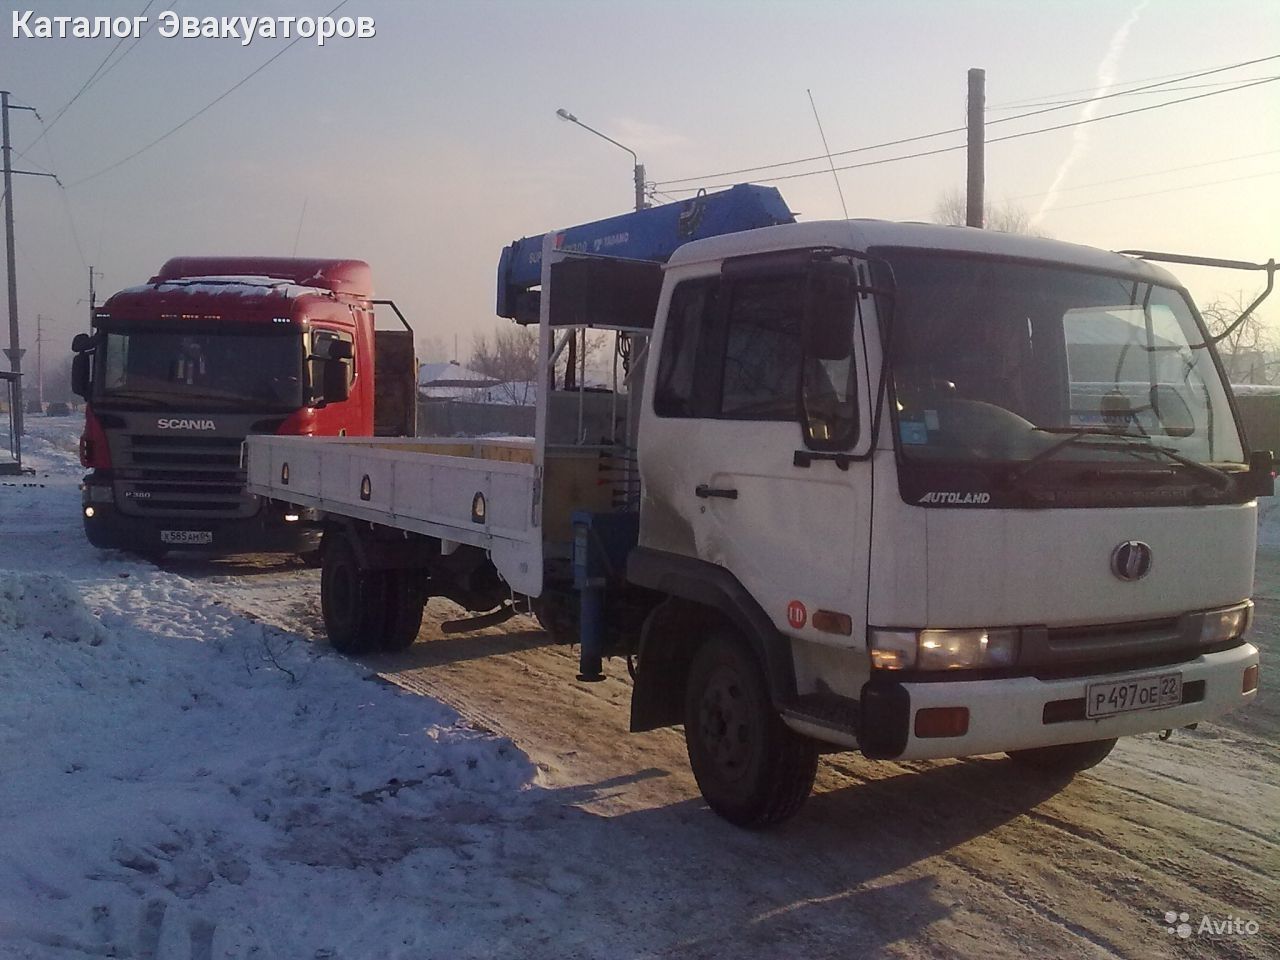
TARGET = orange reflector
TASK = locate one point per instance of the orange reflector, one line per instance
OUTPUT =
(830, 622)
(1250, 683)
(942, 722)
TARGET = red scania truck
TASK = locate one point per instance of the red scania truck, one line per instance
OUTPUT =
(178, 371)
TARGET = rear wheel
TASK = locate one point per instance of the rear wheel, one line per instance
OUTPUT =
(752, 769)
(405, 601)
(352, 599)
(1065, 759)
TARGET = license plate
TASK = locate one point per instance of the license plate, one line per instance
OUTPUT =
(1126, 696)
(186, 536)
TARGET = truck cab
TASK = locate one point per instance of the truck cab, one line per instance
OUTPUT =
(177, 372)
(944, 492)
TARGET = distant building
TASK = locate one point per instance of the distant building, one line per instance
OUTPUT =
(449, 380)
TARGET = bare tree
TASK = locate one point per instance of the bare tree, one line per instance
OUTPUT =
(1006, 217)
(510, 356)
(1248, 352)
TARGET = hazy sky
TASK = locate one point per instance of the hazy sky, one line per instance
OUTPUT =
(429, 147)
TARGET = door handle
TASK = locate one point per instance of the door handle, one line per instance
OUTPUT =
(704, 491)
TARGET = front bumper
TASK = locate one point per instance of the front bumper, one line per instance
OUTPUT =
(1019, 713)
(265, 532)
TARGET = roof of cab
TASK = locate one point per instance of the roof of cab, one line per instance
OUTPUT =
(864, 235)
(350, 277)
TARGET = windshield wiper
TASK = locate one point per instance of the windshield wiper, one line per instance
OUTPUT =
(129, 396)
(1111, 440)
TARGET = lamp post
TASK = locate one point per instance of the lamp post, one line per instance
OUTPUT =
(564, 114)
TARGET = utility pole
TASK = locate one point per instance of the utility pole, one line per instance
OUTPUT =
(14, 351)
(40, 361)
(639, 186)
(977, 137)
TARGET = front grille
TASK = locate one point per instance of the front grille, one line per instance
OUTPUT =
(180, 476)
(1135, 630)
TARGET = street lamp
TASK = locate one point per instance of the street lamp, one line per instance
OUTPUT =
(564, 114)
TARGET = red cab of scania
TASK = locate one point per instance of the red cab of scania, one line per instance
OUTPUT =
(178, 371)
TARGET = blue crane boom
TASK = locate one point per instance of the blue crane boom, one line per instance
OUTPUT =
(652, 234)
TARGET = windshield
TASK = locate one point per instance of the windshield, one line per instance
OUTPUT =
(999, 361)
(228, 368)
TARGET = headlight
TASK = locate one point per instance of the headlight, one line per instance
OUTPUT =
(967, 649)
(1219, 626)
(964, 649)
(893, 649)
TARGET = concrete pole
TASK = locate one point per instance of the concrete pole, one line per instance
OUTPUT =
(977, 136)
(15, 346)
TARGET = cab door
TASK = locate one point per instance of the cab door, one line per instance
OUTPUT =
(732, 475)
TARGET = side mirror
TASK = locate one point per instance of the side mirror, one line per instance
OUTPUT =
(1171, 410)
(336, 388)
(81, 343)
(80, 383)
(338, 350)
(1261, 477)
(829, 301)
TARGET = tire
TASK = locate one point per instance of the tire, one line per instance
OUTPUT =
(752, 769)
(1067, 759)
(352, 600)
(312, 558)
(405, 602)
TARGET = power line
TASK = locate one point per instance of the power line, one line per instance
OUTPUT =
(83, 87)
(129, 49)
(940, 133)
(1011, 136)
(1152, 173)
(1127, 93)
(1027, 101)
(208, 106)
(1153, 193)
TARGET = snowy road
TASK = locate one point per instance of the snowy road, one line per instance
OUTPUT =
(222, 807)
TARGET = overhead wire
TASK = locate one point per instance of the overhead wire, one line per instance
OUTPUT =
(1027, 101)
(1011, 136)
(93, 77)
(961, 129)
(208, 106)
(1153, 193)
(1125, 93)
(1150, 173)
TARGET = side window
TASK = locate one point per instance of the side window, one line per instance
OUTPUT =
(319, 353)
(691, 310)
(763, 350)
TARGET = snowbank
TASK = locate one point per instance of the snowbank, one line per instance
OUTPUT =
(183, 780)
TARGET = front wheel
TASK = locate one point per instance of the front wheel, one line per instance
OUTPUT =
(1065, 759)
(752, 769)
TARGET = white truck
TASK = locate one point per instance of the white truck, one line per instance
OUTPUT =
(913, 490)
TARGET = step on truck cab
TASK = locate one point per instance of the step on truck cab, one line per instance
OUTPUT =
(911, 490)
(178, 371)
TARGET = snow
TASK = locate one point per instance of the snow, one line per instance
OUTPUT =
(183, 780)
(188, 777)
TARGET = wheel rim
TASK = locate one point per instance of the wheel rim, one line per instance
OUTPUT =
(725, 723)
